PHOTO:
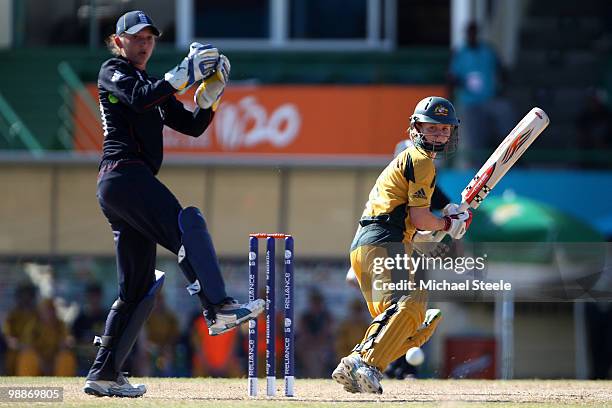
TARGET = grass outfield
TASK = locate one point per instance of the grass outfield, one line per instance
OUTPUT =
(182, 392)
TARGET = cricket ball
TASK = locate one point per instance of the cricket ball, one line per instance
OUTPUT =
(415, 356)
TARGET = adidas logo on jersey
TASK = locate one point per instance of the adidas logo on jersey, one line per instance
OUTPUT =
(116, 76)
(420, 194)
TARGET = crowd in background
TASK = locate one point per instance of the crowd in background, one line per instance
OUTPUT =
(478, 84)
(35, 341)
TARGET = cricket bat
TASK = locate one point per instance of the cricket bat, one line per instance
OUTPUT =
(502, 159)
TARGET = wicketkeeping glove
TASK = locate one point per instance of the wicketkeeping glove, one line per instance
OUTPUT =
(198, 64)
(208, 94)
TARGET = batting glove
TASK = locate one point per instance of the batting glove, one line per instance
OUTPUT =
(451, 209)
(208, 95)
(456, 225)
(198, 64)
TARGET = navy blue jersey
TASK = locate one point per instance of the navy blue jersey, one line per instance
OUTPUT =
(134, 109)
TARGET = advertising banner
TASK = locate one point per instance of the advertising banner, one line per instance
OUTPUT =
(289, 120)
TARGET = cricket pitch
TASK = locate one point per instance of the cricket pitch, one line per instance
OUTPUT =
(187, 392)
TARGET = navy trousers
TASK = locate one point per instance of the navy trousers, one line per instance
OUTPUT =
(142, 212)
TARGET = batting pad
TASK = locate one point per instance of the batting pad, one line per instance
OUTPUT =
(390, 340)
(424, 333)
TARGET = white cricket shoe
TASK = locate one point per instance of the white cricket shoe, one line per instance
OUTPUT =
(119, 388)
(232, 314)
(122, 379)
(368, 378)
(344, 374)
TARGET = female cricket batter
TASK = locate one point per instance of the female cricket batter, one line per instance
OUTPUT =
(142, 211)
(398, 205)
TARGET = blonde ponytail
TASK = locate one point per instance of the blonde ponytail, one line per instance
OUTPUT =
(112, 45)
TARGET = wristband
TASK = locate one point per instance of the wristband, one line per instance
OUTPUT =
(447, 222)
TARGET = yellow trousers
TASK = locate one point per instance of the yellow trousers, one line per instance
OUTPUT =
(398, 315)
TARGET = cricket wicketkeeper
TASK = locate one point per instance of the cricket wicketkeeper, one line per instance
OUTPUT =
(141, 210)
(398, 206)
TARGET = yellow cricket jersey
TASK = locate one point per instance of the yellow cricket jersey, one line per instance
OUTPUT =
(408, 181)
